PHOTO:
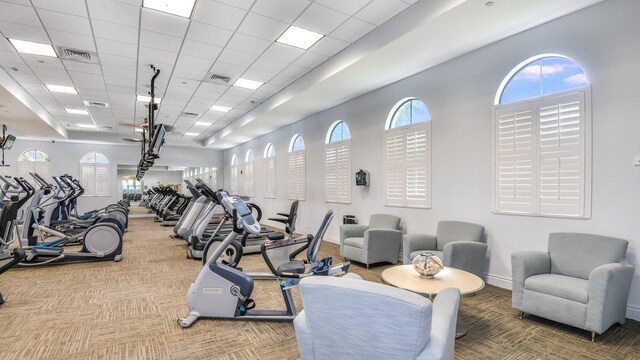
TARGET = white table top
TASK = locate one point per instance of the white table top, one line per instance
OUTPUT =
(405, 277)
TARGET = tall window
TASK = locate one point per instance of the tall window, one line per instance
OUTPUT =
(94, 174)
(234, 174)
(34, 161)
(541, 132)
(249, 173)
(337, 163)
(296, 168)
(407, 155)
(269, 172)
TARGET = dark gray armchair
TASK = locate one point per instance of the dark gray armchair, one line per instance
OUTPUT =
(579, 281)
(377, 242)
(457, 243)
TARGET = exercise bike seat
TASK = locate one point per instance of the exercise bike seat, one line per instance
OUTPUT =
(294, 266)
(275, 236)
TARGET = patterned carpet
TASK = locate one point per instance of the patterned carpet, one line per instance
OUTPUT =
(128, 310)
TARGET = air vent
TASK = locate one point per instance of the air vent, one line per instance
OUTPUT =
(96, 104)
(189, 114)
(217, 78)
(77, 55)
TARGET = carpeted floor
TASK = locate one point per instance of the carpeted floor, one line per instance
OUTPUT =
(128, 310)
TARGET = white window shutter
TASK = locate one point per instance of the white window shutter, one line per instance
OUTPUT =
(270, 178)
(213, 179)
(330, 173)
(249, 178)
(297, 175)
(234, 180)
(514, 163)
(26, 167)
(88, 178)
(102, 180)
(417, 166)
(338, 172)
(394, 167)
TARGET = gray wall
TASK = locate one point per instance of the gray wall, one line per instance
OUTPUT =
(459, 94)
(65, 159)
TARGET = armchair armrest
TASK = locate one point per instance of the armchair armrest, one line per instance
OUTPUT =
(413, 242)
(523, 265)
(609, 287)
(303, 335)
(444, 317)
(380, 244)
(351, 230)
(465, 255)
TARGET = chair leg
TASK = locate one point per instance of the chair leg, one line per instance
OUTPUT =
(521, 315)
(593, 336)
(367, 266)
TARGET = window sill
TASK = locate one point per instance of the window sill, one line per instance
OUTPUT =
(572, 217)
(410, 207)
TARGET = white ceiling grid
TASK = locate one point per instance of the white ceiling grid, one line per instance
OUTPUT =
(229, 37)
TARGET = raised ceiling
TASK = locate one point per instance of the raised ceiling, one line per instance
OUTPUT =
(367, 44)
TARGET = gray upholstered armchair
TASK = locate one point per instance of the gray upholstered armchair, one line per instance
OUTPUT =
(379, 241)
(579, 282)
(376, 321)
(457, 243)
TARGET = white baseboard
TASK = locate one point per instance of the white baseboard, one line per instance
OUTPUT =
(329, 238)
(633, 311)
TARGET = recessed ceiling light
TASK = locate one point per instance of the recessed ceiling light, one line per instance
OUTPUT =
(203, 123)
(61, 89)
(299, 37)
(220, 108)
(247, 84)
(182, 8)
(191, 134)
(86, 126)
(28, 47)
(77, 111)
(144, 98)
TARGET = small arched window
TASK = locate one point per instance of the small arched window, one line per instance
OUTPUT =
(338, 131)
(269, 171)
(407, 111)
(297, 143)
(296, 168)
(235, 175)
(94, 174)
(540, 75)
(249, 174)
(234, 160)
(249, 156)
(34, 161)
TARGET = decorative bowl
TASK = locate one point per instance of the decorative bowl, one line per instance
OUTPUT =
(427, 264)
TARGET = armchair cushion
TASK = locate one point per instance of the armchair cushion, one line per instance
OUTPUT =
(577, 255)
(354, 241)
(384, 221)
(566, 287)
(449, 231)
(352, 230)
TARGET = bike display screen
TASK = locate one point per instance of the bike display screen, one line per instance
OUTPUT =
(240, 207)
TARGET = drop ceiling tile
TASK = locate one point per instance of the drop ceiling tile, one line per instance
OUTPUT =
(210, 90)
(82, 67)
(129, 82)
(311, 60)
(352, 30)
(23, 32)
(64, 22)
(93, 95)
(160, 41)
(114, 12)
(286, 11)
(72, 7)
(230, 70)
(201, 50)
(215, 13)
(90, 85)
(262, 27)
(248, 43)
(191, 74)
(231, 99)
(281, 80)
(86, 77)
(23, 78)
(236, 57)
(18, 14)
(75, 41)
(295, 71)
(269, 65)
(10, 57)
(119, 49)
(115, 60)
(320, 19)
(120, 89)
(163, 23)
(130, 2)
(346, 7)
(242, 4)
(211, 35)
(283, 52)
(258, 75)
(328, 46)
(115, 32)
(379, 11)
(119, 71)
(43, 71)
(195, 63)
(157, 57)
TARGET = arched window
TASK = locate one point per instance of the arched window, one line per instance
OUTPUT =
(337, 163)
(234, 174)
(34, 161)
(407, 155)
(94, 174)
(269, 171)
(249, 174)
(296, 168)
(541, 132)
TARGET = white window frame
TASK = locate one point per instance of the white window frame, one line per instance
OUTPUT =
(269, 172)
(337, 168)
(39, 167)
(297, 171)
(585, 152)
(91, 185)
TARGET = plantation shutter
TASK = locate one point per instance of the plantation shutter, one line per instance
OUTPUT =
(25, 167)
(561, 152)
(234, 179)
(407, 166)
(102, 180)
(296, 175)
(43, 168)
(514, 168)
(249, 178)
(330, 173)
(213, 179)
(270, 178)
(88, 178)
(338, 172)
